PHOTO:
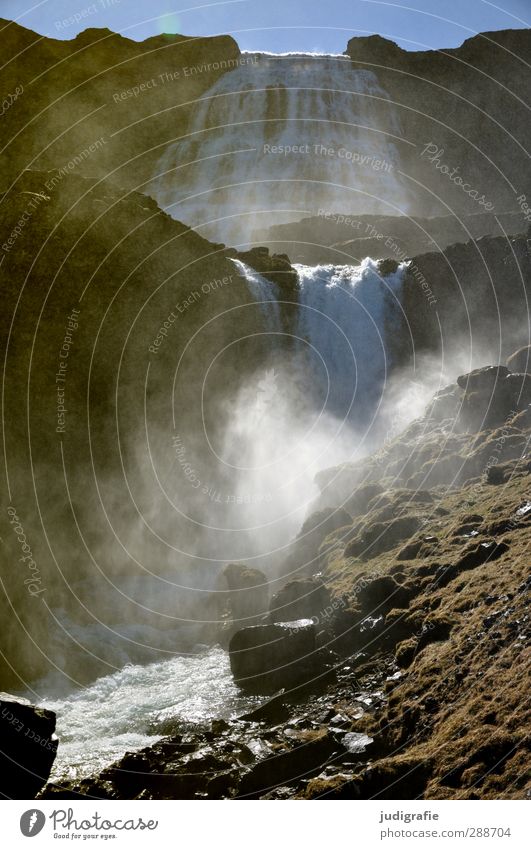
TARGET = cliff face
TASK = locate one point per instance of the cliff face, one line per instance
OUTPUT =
(106, 300)
(469, 105)
(129, 99)
(471, 297)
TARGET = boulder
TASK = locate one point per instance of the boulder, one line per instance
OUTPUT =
(489, 408)
(482, 379)
(382, 594)
(247, 598)
(520, 361)
(28, 746)
(520, 387)
(266, 658)
(302, 598)
(445, 404)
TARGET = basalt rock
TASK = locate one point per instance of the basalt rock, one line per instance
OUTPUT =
(276, 267)
(266, 658)
(28, 746)
(242, 595)
(482, 379)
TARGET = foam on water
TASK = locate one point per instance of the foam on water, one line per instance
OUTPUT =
(134, 707)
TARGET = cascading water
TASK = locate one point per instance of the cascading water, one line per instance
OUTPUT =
(288, 135)
(343, 318)
(137, 705)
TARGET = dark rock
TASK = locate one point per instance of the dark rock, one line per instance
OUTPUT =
(266, 658)
(382, 594)
(382, 536)
(487, 408)
(520, 387)
(28, 746)
(495, 474)
(243, 593)
(302, 598)
(358, 503)
(294, 765)
(482, 379)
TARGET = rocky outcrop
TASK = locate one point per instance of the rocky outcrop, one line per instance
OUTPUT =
(28, 745)
(275, 267)
(266, 658)
(466, 105)
(301, 598)
(242, 596)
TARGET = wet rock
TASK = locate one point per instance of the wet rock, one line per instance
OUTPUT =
(445, 404)
(294, 765)
(28, 746)
(266, 658)
(243, 593)
(487, 408)
(302, 598)
(276, 267)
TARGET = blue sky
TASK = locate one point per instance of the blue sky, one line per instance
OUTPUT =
(278, 25)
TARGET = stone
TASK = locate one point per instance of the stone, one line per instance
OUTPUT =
(382, 594)
(520, 386)
(382, 536)
(266, 658)
(28, 745)
(248, 593)
(482, 378)
(302, 598)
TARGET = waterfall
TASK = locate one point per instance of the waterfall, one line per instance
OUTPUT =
(344, 315)
(289, 135)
